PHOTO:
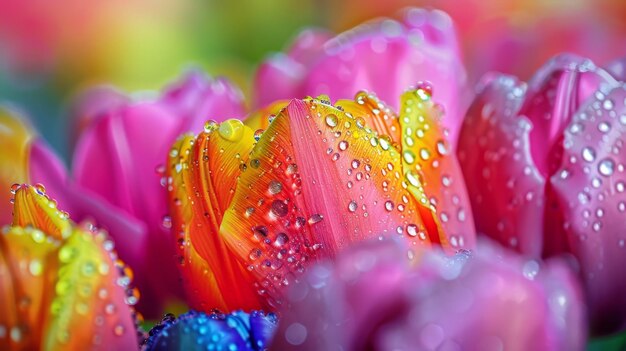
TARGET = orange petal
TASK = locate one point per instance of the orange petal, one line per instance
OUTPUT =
(28, 268)
(315, 182)
(34, 208)
(15, 138)
(427, 156)
(260, 119)
(368, 110)
(203, 172)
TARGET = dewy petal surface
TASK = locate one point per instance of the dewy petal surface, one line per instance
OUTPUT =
(589, 193)
(203, 173)
(316, 182)
(56, 284)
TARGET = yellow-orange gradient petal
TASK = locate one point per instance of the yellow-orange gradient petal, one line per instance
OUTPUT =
(316, 181)
(260, 119)
(15, 138)
(203, 173)
(429, 158)
(61, 291)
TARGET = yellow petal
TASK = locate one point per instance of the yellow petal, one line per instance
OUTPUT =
(32, 207)
(15, 138)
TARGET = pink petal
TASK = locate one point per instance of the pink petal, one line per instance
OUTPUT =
(589, 192)
(196, 98)
(372, 297)
(494, 153)
(117, 159)
(385, 57)
(618, 69)
(280, 76)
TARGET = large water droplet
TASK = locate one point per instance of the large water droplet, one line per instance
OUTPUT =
(588, 154)
(606, 167)
(231, 130)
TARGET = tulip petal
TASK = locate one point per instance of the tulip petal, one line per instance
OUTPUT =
(215, 331)
(589, 190)
(209, 165)
(60, 280)
(495, 156)
(15, 137)
(427, 154)
(315, 182)
(27, 266)
(554, 94)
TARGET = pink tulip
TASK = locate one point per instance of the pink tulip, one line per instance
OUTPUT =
(382, 296)
(384, 56)
(545, 173)
(118, 158)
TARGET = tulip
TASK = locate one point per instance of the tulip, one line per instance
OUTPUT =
(216, 331)
(119, 156)
(61, 284)
(250, 215)
(385, 56)
(383, 296)
(545, 173)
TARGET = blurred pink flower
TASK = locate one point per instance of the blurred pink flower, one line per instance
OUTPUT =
(385, 56)
(544, 168)
(120, 157)
(381, 296)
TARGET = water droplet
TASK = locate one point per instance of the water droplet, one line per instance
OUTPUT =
(389, 205)
(331, 120)
(275, 187)
(441, 148)
(35, 267)
(40, 189)
(607, 104)
(606, 167)
(588, 154)
(343, 145)
(166, 222)
(231, 130)
(604, 127)
(281, 239)
(258, 133)
(352, 206)
(424, 154)
(316, 218)
(409, 157)
(279, 208)
(531, 269)
(118, 330)
(411, 229)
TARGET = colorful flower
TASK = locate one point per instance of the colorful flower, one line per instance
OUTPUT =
(383, 296)
(61, 284)
(545, 173)
(250, 209)
(120, 155)
(215, 331)
(385, 56)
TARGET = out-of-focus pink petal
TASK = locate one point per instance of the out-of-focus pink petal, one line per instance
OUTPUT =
(384, 56)
(196, 98)
(371, 298)
(589, 192)
(617, 69)
(494, 153)
(91, 104)
(117, 159)
(280, 75)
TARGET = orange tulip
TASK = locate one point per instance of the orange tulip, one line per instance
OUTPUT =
(250, 209)
(61, 284)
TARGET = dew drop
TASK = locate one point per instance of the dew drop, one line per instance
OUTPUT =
(258, 133)
(275, 187)
(231, 130)
(606, 167)
(588, 154)
(316, 218)
(279, 208)
(343, 145)
(331, 120)
(411, 230)
(389, 205)
(352, 206)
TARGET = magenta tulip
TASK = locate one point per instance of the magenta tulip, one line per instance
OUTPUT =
(384, 56)
(545, 172)
(119, 157)
(383, 296)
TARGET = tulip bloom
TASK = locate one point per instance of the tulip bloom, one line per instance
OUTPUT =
(196, 330)
(385, 56)
(61, 284)
(118, 156)
(381, 296)
(545, 173)
(250, 215)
